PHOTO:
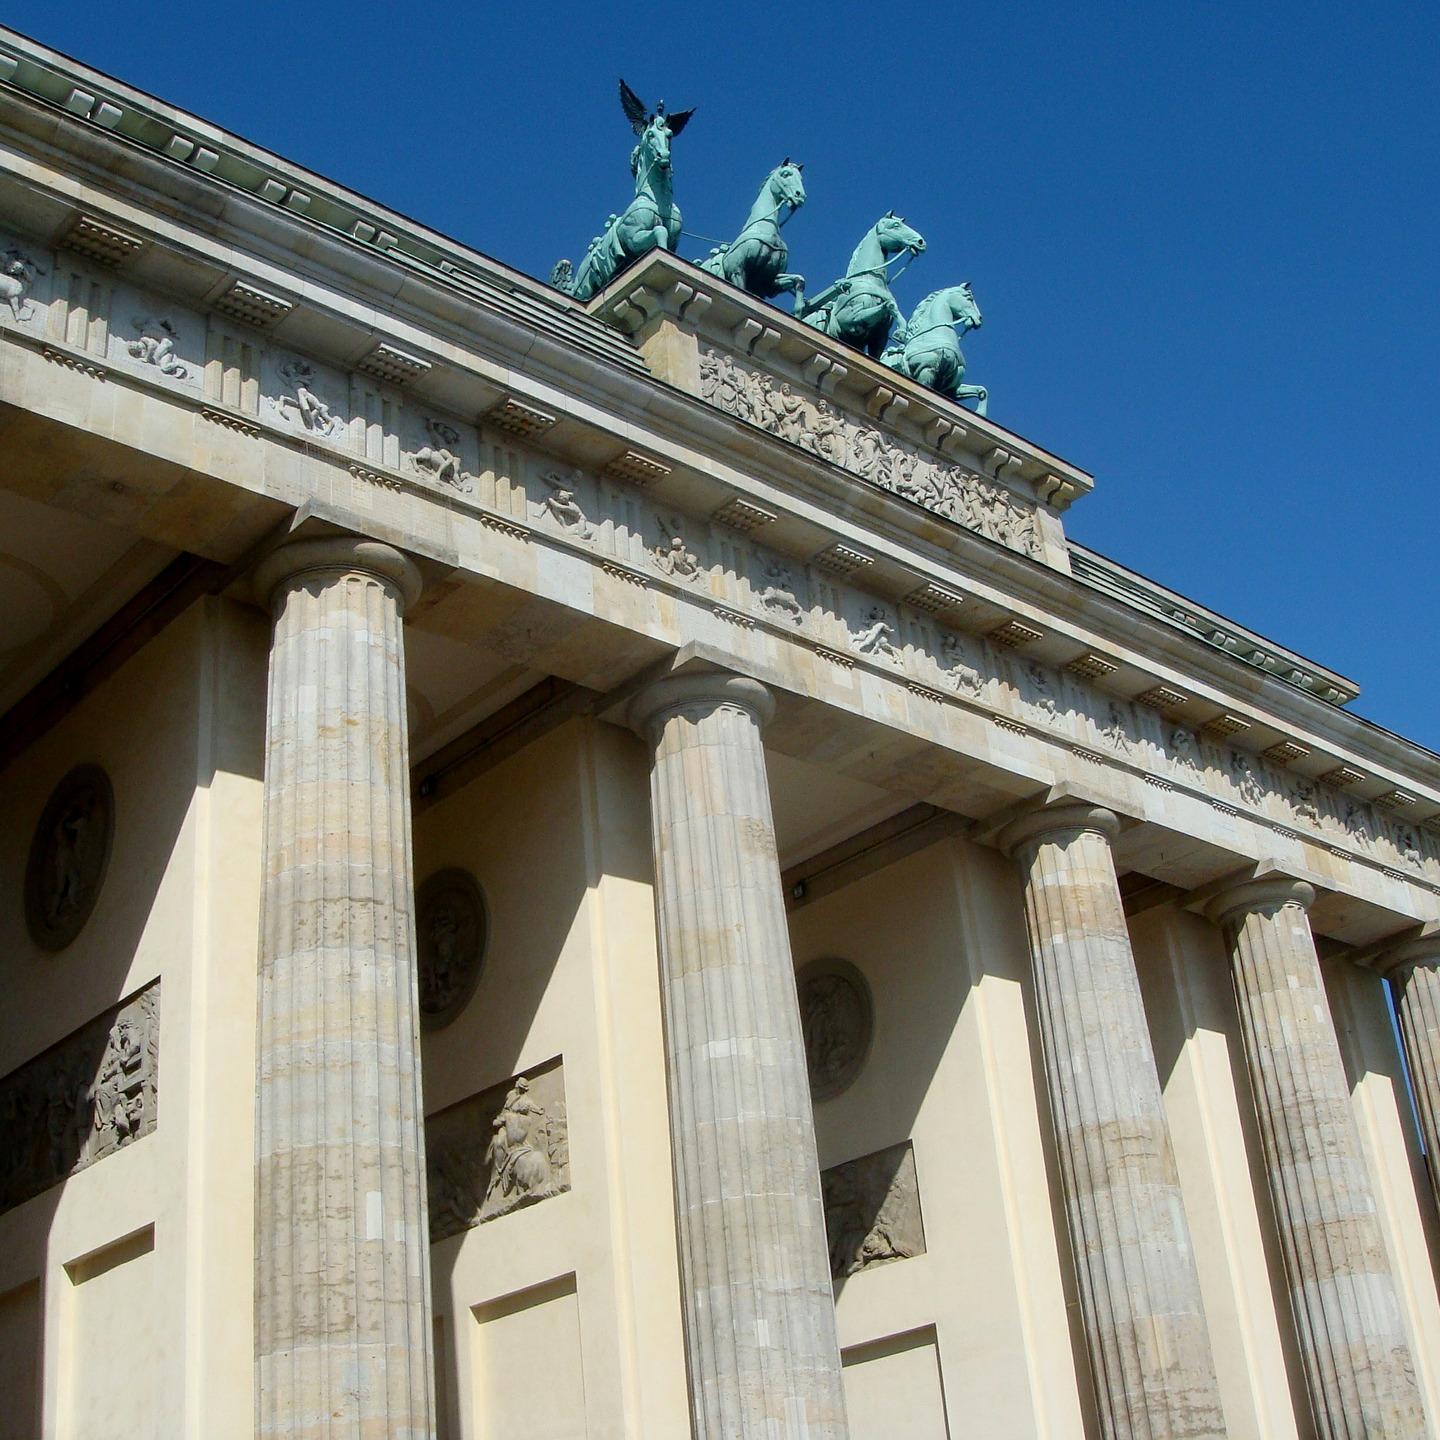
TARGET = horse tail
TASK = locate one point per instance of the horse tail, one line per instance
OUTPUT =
(562, 277)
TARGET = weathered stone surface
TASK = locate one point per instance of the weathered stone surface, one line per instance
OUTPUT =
(872, 1210)
(755, 1273)
(498, 1151)
(1144, 1320)
(342, 1296)
(1358, 1367)
(1415, 975)
(80, 1100)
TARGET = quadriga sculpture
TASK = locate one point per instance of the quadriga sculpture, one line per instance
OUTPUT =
(859, 308)
(927, 348)
(652, 218)
(755, 259)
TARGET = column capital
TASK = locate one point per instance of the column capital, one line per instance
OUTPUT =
(306, 555)
(1417, 949)
(1253, 896)
(1057, 817)
(697, 692)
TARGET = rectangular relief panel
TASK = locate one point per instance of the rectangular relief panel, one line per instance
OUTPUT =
(81, 1099)
(893, 1388)
(527, 1365)
(498, 1151)
(872, 1210)
(111, 1344)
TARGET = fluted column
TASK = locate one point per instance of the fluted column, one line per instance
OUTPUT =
(755, 1272)
(1357, 1361)
(1414, 977)
(342, 1287)
(1139, 1289)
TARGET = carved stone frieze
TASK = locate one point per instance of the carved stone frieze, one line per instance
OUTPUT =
(81, 1100)
(452, 929)
(837, 1016)
(872, 1210)
(156, 346)
(941, 486)
(68, 856)
(498, 1151)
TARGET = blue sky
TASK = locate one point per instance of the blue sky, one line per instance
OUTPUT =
(1205, 238)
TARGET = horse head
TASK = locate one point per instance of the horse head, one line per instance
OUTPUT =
(653, 151)
(963, 309)
(787, 185)
(894, 235)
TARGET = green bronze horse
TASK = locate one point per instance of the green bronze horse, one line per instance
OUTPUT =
(927, 348)
(652, 218)
(755, 259)
(859, 308)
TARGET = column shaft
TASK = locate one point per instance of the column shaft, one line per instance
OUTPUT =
(1417, 999)
(1357, 1361)
(755, 1273)
(1139, 1289)
(342, 1294)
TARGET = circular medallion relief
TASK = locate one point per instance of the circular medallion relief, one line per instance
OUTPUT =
(451, 931)
(68, 857)
(837, 1016)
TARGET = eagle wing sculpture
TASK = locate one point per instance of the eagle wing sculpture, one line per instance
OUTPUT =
(639, 115)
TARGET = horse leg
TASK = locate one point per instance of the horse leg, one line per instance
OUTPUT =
(977, 393)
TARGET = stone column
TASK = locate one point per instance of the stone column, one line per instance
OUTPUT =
(1139, 1289)
(754, 1263)
(342, 1283)
(1352, 1336)
(1412, 971)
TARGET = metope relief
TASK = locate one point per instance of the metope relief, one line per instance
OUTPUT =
(300, 401)
(452, 929)
(18, 273)
(69, 853)
(81, 1100)
(837, 1019)
(440, 457)
(498, 1151)
(947, 489)
(872, 1210)
(562, 508)
(155, 346)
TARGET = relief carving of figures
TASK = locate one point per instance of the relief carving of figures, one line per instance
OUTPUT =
(837, 1017)
(1183, 749)
(452, 928)
(1245, 778)
(563, 508)
(18, 273)
(675, 558)
(1042, 693)
(872, 1211)
(84, 1098)
(877, 638)
(440, 459)
(1356, 820)
(779, 593)
(68, 856)
(312, 412)
(1304, 801)
(498, 1151)
(522, 1153)
(948, 489)
(958, 669)
(156, 346)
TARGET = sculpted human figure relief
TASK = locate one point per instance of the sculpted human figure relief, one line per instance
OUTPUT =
(440, 459)
(778, 593)
(156, 346)
(927, 349)
(837, 1017)
(877, 636)
(674, 558)
(859, 308)
(872, 1210)
(18, 273)
(563, 508)
(313, 413)
(1042, 692)
(755, 260)
(652, 218)
(958, 669)
(522, 1166)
